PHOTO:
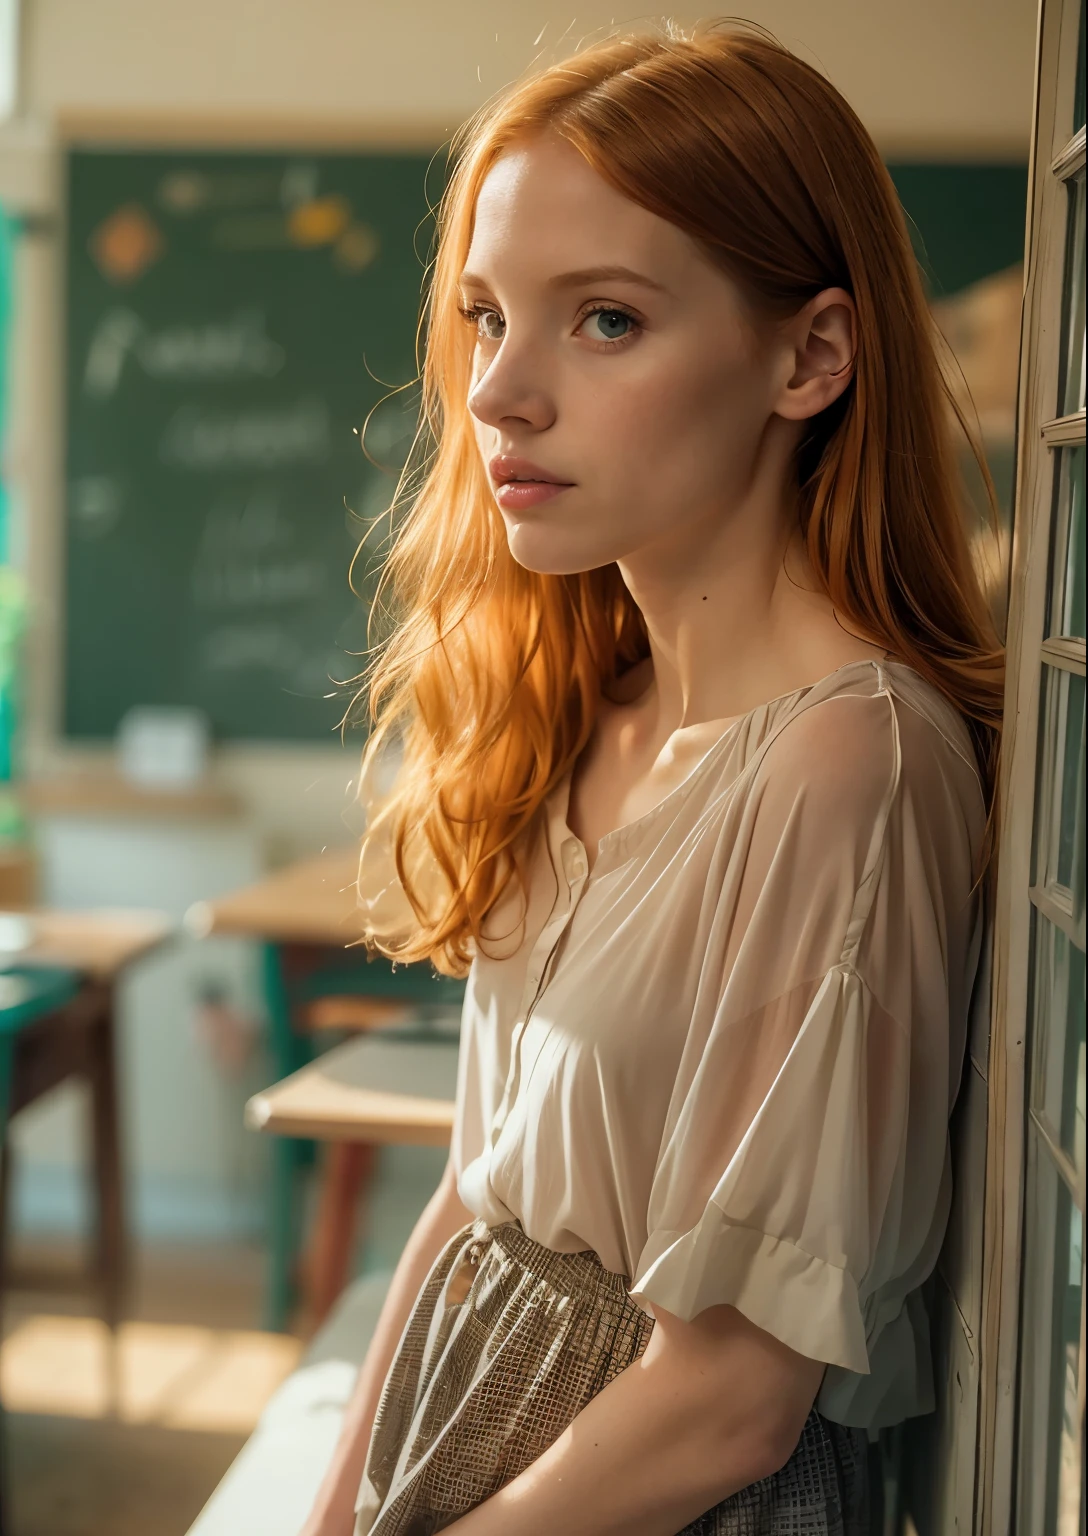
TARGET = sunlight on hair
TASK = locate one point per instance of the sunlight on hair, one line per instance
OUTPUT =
(488, 676)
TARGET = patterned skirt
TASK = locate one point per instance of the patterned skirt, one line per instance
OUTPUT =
(506, 1343)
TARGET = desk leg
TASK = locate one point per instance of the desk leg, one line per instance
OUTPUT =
(348, 1172)
(111, 1241)
(283, 1227)
(289, 1052)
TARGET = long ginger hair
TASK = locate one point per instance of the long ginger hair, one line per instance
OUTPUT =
(490, 679)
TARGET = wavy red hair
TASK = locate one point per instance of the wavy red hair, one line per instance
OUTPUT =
(491, 675)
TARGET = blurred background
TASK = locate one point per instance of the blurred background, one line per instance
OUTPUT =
(213, 227)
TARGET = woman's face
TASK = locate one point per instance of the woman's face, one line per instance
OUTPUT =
(613, 360)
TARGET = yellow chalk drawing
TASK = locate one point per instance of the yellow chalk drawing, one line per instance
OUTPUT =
(319, 221)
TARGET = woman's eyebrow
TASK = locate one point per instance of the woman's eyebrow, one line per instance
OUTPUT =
(582, 276)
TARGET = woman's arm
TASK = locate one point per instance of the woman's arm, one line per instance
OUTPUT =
(711, 1405)
(333, 1513)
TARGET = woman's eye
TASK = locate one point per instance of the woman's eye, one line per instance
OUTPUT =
(609, 324)
(488, 322)
(490, 325)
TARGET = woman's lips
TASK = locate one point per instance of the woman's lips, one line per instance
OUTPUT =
(520, 483)
(513, 495)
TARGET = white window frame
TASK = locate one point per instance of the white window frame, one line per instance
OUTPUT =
(1055, 157)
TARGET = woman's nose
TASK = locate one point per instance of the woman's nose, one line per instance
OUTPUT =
(511, 388)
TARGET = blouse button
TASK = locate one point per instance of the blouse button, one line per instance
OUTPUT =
(574, 860)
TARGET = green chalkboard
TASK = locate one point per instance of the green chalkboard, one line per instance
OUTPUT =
(966, 221)
(231, 319)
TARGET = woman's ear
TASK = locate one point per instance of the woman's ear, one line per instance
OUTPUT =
(822, 342)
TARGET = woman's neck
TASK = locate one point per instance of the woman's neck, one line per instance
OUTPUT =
(729, 623)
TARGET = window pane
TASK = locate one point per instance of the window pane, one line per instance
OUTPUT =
(1067, 608)
(1050, 1450)
(1073, 301)
(1061, 788)
(1057, 1090)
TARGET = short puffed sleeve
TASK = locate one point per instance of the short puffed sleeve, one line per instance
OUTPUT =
(803, 1174)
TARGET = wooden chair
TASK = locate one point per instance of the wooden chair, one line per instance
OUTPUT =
(316, 980)
(313, 993)
(330, 1101)
(347, 1170)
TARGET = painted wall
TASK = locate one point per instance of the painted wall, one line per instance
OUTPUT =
(923, 76)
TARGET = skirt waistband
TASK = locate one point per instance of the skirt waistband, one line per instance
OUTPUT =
(564, 1270)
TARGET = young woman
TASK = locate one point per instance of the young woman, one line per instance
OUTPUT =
(697, 699)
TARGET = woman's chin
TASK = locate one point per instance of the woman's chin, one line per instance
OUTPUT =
(551, 552)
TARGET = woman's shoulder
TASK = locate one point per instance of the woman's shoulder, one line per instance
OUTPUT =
(860, 735)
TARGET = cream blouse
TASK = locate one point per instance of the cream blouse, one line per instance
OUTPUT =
(726, 1059)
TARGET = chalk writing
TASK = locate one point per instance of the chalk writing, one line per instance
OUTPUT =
(199, 438)
(239, 347)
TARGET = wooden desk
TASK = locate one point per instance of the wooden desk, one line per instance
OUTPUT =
(79, 1039)
(346, 1098)
(335, 1099)
(99, 944)
(307, 918)
(311, 902)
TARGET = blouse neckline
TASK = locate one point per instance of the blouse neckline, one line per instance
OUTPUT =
(619, 836)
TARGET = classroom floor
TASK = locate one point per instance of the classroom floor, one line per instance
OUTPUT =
(131, 1440)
